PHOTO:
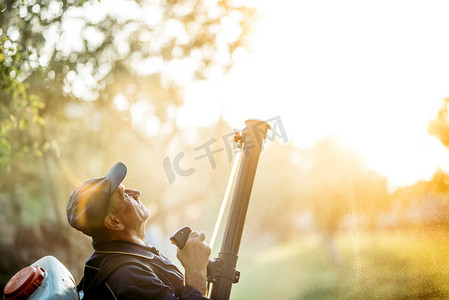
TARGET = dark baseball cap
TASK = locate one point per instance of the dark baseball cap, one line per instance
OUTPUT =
(89, 203)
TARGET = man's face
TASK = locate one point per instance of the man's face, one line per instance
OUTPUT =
(125, 203)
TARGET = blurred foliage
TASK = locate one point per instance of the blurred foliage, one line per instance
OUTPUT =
(341, 185)
(18, 109)
(85, 84)
(44, 55)
(440, 182)
(424, 203)
(439, 127)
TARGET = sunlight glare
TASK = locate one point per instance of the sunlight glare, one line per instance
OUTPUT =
(333, 68)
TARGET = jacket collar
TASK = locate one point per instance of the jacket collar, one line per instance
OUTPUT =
(125, 247)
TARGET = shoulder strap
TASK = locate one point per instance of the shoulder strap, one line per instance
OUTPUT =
(109, 267)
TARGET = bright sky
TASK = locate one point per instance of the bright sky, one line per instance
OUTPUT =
(372, 72)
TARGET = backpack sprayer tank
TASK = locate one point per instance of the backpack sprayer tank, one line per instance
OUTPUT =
(46, 279)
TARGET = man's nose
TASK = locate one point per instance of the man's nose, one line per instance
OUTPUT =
(134, 193)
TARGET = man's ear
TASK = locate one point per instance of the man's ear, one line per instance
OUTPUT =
(111, 222)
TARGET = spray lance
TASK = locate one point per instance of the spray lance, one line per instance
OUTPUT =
(221, 271)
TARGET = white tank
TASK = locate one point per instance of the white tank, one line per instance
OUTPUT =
(46, 279)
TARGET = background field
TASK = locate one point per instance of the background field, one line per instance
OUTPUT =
(378, 265)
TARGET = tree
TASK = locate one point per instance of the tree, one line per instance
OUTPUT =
(18, 109)
(277, 196)
(339, 185)
(126, 65)
(439, 126)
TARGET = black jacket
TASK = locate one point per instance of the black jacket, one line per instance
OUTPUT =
(155, 278)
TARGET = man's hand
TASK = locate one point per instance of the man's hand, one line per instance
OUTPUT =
(194, 257)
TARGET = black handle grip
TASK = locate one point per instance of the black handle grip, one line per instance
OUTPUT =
(180, 237)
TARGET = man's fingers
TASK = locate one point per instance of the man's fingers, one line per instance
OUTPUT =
(200, 235)
(193, 234)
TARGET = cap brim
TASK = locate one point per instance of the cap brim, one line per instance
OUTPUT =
(116, 175)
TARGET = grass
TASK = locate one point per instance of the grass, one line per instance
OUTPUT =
(379, 265)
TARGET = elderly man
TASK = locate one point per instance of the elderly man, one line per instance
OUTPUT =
(123, 266)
